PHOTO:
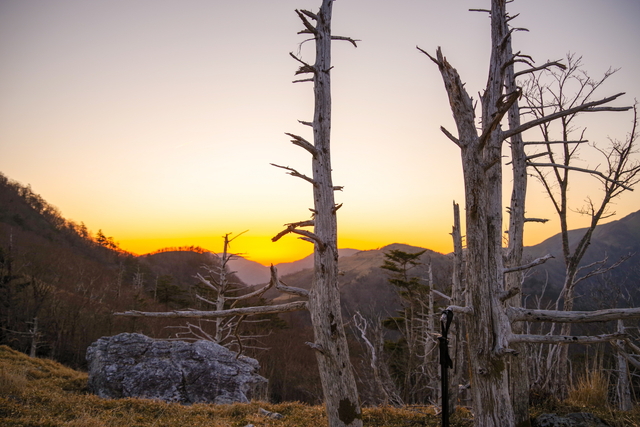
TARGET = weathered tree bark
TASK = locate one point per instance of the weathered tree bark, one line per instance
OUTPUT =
(457, 326)
(332, 352)
(623, 388)
(518, 369)
(488, 326)
(489, 329)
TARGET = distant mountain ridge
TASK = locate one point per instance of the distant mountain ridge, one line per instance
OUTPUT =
(363, 284)
(253, 273)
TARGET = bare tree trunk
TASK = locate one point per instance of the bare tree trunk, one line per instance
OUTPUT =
(488, 328)
(561, 380)
(518, 368)
(34, 338)
(332, 352)
(456, 330)
(383, 386)
(491, 400)
(483, 192)
(623, 389)
(428, 332)
(222, 288)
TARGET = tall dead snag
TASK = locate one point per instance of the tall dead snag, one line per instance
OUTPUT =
(623, 386)
(518, 368)
(457, 326)
(222, 325)
(489, 316)
(330, 342)
(371, 333)
(488, 328)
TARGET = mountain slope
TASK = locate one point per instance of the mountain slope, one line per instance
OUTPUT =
(253, 273)
(364, 285)
(612, 241)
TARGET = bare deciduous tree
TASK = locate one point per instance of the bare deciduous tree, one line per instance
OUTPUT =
(556, 167)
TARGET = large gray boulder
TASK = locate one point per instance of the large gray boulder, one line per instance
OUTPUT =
(134, 365)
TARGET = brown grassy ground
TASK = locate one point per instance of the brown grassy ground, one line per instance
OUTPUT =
(43, 393)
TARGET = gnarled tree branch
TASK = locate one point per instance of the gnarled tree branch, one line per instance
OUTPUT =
(530, 315)
(564, 339)
(265, 309)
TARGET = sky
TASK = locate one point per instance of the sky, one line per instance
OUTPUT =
(156, 121)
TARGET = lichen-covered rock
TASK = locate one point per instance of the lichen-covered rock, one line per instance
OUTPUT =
(576, 419)
(134, 365)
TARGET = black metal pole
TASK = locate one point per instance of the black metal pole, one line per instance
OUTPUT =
(445, 364)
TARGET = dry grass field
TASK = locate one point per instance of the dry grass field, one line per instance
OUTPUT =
(43, 393)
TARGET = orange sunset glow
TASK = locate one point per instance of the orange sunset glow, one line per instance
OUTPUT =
(156, 121)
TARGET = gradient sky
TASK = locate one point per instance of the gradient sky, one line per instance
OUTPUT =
(156, 120)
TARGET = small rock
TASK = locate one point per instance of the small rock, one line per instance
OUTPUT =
(273, 415)
(576, 419)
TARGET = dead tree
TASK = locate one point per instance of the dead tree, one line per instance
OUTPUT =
(226, 331)
(555, 168)
(623, 386)
(457, 330)
(371, 334)
(489, 316)
(330, 343)
(518, 368)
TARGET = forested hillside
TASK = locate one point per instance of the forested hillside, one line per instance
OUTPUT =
(70, 280)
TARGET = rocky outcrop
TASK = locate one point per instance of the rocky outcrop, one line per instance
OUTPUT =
(134, 365)
(576, 419)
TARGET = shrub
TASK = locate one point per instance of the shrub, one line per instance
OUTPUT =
(591, 390)
(12, 383)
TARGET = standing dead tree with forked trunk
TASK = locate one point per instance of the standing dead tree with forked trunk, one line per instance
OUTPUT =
(489, 317)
